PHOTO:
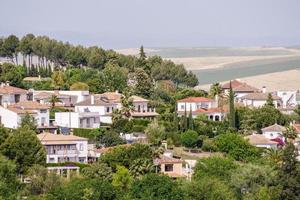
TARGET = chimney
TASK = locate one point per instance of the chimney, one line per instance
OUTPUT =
(7, 83)
(92, 99)
(117, 91)
(264, 89)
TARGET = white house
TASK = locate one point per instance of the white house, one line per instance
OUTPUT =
(201, 105)
(260, 99)
(239, 88)
(11, 115)
(141, 109)
(289, 98)
(64, 148)
(261, 141)
(78, 119)
(106, 103)
(11, 95)
(274, 131)
(67, 98)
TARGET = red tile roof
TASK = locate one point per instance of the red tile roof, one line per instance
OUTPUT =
(6, 89)
(196, 99)
(167, 160)
(260, 96)
(234, 84)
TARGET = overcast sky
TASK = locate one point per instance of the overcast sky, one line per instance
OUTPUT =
(156, 23)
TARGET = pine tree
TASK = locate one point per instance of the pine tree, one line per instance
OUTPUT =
(231, 107)
(142, 53)
(175, 119)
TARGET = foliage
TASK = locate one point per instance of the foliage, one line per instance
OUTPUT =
(125, 155)
(208, 188)
(29, 122)
(79, 86)
(209, 145)
(24, 148)
(141, 167)
(41, 181)
(156, 187)
(270, 101)
(91, 134)
(13, 74)
(9, 183)
(155, 132)
(236, 147)
(190, 139)
(122, 178)
(111, 138)
(249, 178)
(98, 170)
(78, 188)
(232, 113)
(289, 174)
(215, 166)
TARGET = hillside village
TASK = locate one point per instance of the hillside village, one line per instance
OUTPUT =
(135, 124)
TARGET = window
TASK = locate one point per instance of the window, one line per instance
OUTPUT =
(43, 111)
(17, 98)
(182, 107)
(80, 147)
(169, 167)
(81, 160)
(107, 109)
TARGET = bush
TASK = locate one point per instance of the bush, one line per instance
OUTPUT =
(141, 122)
(91, 134)
(236, 146)
(190, 139)
(138, 128)
(209, 145)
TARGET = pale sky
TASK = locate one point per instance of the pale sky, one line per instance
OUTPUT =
(156, 23)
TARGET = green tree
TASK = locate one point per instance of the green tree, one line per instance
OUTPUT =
(41, 181)
(115, 77)
(96, 58)
(29, 122)
(141, 167)
(98, 170)
(24, 148)
(191, 121)
(10, 48)
(215, 166)
(12, 74)
(26, 47)
(270, 101)
(53, 100)
(231, 107)
(155, 132)
(289, 174)
(112, 138)
(4, 134)
(290, 133)
(236, 146)
(249, 178)
(79, 86)
(208, 188)
(156, 187)
(59, 79)
(9, 183)
(190, 139)
(142, 53)
(215, 89)
(122, 178)
(143, 83)
(297, 111)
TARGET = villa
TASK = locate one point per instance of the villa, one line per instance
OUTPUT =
(201, 105)
(11, 115)
(239, 88)
(11, 95)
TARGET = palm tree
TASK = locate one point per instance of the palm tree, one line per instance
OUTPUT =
(215, 89)
(274, 155)
(140, 167)
(54, 99)
(127, 105)
(290, 133)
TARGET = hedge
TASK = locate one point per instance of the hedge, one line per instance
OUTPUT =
(86, 133)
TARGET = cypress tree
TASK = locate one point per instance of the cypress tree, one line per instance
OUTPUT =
(231, 107)
(142, 53)
(191, 125)
(185, 119)
(175, 119)
(270, 100)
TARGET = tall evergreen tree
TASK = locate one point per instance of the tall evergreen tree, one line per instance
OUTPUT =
(142, 53)
(185, 125)
(270, 101)
(191, 125)
(231, 107)
(175, 120)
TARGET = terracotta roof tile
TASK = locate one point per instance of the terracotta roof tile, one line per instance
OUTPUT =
(260, 96)
(165, 160)
(259, 139)
(234, 83)
(6, 89)
(274, 127)
(196, 99)
(244, 87)
(59, 138)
